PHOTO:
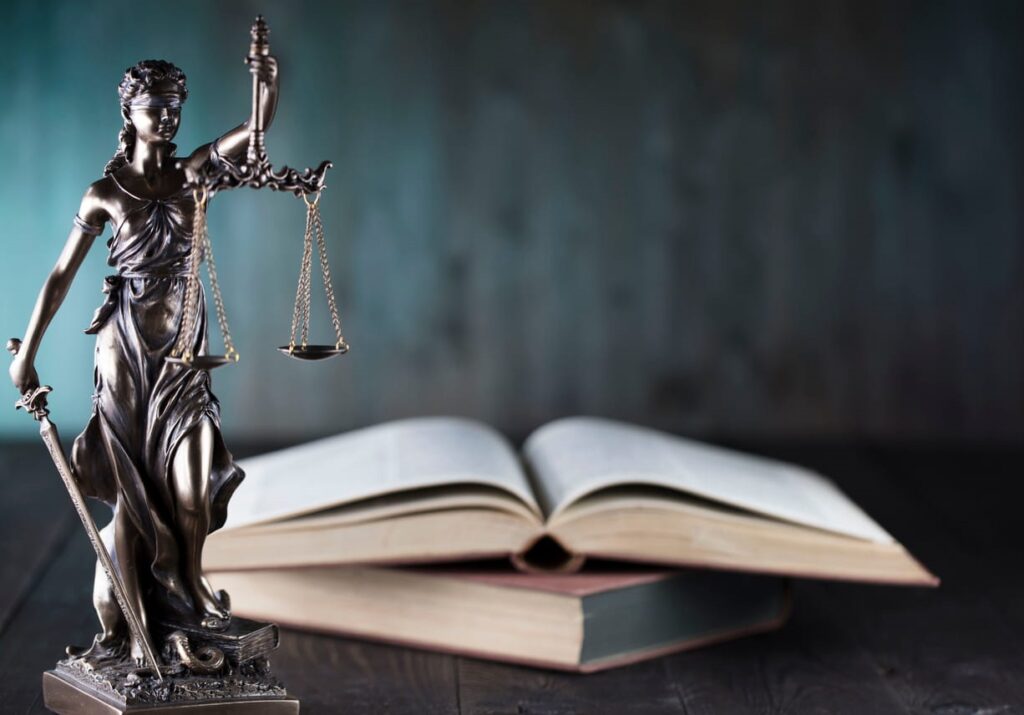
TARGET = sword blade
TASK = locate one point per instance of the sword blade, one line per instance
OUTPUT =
(48, 431)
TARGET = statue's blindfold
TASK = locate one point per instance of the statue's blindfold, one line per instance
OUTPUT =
(171, 101)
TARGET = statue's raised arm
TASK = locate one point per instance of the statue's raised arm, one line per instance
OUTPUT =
(234, 144)
(239, 158)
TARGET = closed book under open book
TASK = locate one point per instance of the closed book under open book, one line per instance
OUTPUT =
(583, 621)
(446, 489)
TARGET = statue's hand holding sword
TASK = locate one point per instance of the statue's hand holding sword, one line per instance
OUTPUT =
(33, 401)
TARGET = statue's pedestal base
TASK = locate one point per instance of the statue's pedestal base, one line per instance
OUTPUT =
(65, 697)
(237, 682)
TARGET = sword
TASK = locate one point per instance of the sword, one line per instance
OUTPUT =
(34, 403)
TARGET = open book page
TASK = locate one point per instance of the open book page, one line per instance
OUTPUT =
(578, 456)
(400, 456)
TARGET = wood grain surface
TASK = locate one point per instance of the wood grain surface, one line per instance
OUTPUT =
(848, 648)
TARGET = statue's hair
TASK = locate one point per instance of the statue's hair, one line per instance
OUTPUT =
(139, 79)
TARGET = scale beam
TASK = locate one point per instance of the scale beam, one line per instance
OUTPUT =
(221, 173)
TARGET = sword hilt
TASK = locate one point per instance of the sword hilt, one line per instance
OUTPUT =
(33, 401)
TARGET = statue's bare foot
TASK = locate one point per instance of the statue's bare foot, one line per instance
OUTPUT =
(216, 613)
(138, 656)
(104, 650)
(212, 622)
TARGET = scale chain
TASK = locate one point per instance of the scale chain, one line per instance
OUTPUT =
(201, 249)
(190, 309)
(307, 278)
(302, 293)
(326, 270)
(218, 300)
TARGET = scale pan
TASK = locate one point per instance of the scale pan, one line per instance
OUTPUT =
(313, 352)
(202, 362)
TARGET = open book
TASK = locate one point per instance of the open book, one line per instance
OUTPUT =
(448, 489)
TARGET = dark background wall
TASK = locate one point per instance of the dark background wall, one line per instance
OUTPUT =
(796, 219)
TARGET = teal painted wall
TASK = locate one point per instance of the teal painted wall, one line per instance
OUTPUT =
(789, 219)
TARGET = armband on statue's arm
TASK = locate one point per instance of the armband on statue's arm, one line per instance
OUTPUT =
(85, 227)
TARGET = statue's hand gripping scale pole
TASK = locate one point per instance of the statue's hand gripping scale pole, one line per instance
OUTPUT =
(34, 403)
(255, 171)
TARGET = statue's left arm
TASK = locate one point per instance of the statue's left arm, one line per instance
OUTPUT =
(234, 143)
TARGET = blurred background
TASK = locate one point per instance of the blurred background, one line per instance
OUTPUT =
(732, 219)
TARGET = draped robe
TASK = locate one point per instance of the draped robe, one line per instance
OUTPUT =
(144, 406)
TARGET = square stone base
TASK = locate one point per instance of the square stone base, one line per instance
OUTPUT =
(65, 697)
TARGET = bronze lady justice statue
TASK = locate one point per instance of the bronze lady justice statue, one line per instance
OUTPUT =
(152, 449)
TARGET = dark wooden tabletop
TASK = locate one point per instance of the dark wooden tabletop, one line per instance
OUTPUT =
(848, 648)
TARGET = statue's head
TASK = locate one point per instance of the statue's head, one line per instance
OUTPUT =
(151, 92)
